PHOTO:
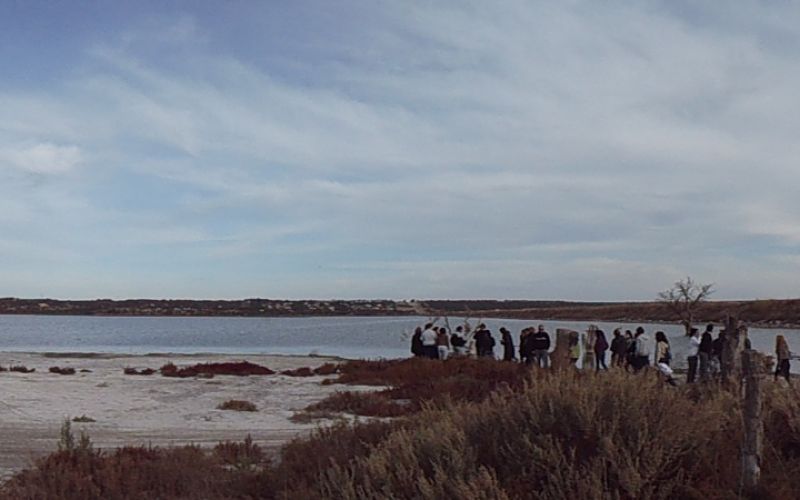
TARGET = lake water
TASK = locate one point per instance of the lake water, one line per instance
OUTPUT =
(349, 337)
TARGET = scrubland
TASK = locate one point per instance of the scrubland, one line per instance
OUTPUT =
(466, 429)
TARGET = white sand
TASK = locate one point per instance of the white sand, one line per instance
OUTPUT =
(131, 410)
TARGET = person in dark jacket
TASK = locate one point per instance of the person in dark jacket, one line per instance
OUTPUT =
(508, 345)
(630, 350)
(618, 349)
(600, 348)
(715, 363)
(705, 350)
(458, 342)
(416, 342)
(484, 342)
(525, 349)
(540, 346)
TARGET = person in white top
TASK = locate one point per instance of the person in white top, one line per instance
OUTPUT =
(429, 342)
(694, 347)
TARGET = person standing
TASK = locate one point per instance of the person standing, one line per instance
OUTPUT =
(574, 348)
(458, 342)
(416, 342)
(642, 358)
(525, 349)
(600, 348)
(484, 342)
(442, 343)
(508, 345)
(691, 359)
(618, 348)
(715, 363)
(541, 347)
(630, 350)
(704, 351)
(782, 356)
(664, 357)
(429, 336)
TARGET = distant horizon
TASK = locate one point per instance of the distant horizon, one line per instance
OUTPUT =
(377, 299)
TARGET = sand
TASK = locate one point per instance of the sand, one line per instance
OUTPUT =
(134, 410)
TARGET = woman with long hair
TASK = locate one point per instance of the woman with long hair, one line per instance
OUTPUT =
(664, 357)
(782, 356)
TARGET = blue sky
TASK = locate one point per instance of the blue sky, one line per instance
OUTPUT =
(575, 150)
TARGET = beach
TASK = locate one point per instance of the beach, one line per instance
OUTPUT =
(147, 410)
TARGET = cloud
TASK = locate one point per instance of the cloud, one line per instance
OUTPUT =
(42, 158)
(565, 150)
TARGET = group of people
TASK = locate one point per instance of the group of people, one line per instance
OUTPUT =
(629, 350)
(434, 342)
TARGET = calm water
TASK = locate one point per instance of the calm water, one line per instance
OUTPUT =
(350, 337)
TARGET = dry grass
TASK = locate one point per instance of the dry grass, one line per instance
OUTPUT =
(237, 405)
(238, 368)
(567, 435)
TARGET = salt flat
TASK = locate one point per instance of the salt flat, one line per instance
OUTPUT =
(132, 410)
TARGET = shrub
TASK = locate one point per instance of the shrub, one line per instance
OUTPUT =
(298, 372)
(134, 371)
(21, 369)
(242, 456)
(62, 371)
(240, 368)
(327, 369)
(237, 405)
(369, 404)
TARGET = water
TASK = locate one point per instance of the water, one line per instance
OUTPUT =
(349, 337)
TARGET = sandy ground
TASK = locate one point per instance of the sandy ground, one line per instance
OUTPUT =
(156, 410)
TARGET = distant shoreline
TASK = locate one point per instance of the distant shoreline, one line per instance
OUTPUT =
(783, 313)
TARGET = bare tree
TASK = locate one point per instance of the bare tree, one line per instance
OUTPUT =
(683, 299)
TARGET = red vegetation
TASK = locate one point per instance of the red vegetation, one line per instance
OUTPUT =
(327, 369)
(238, 368)
(299, 372)
(62, 371)
(415, 382)
(21, 369)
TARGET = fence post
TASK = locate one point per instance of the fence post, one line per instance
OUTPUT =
(732, 350)
(752, 368)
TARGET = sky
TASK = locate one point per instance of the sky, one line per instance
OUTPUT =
(574, 150)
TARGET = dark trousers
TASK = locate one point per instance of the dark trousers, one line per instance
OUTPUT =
(782, 369)
(600, 357)
(692, 375)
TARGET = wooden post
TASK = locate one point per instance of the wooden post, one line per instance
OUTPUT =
(559, 358)
(589, 361)
(752, 368)
(732, 349)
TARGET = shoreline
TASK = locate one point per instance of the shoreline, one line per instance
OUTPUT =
(132, 410)
(495, 315)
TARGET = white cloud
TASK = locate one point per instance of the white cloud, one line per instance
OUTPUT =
(41, 158)
(554, 150)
